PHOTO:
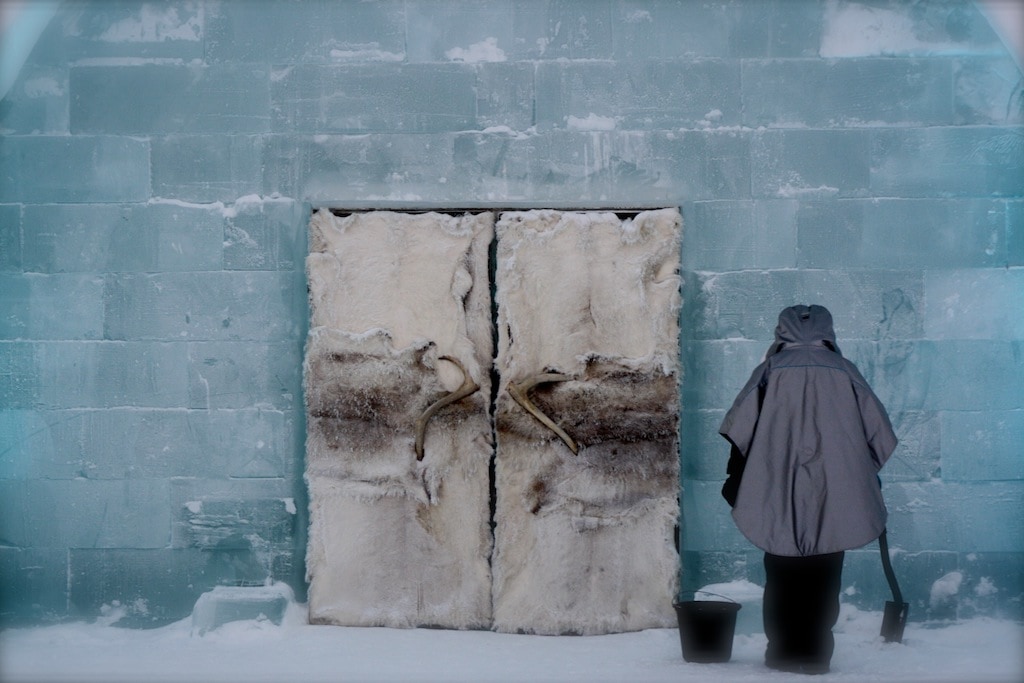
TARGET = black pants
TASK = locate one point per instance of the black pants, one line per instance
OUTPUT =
(801, 605)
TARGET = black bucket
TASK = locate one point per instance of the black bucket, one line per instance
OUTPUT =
(706, 629)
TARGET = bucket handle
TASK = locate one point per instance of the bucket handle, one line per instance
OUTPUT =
(724, 597)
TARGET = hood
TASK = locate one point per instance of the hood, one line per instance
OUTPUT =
(799, 325)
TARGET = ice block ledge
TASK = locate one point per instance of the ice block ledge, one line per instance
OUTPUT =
(239, 603)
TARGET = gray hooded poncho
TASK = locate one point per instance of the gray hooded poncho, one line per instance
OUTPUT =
(812, 436)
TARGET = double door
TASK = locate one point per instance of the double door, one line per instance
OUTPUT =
(492, 414)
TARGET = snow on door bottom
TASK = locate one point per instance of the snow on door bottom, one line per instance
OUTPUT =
(587, 465)
(398, 420)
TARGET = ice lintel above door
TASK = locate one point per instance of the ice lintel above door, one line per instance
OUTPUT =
(619, 210)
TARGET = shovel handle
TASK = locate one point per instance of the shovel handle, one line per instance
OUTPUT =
(890, 576)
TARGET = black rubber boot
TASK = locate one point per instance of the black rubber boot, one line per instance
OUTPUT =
(801, 605)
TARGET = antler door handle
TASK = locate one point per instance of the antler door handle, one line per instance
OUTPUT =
(520, 393)
(468, 387)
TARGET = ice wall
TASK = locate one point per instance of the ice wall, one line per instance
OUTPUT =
(159, 163)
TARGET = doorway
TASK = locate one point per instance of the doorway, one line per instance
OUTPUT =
(492, 416)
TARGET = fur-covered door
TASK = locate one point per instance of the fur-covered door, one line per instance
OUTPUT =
(397, 381)
(587, 412)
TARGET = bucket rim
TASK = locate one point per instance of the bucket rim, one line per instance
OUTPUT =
(694, 594)
(707, 606)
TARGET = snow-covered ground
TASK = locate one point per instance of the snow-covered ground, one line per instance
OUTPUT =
(252, 651)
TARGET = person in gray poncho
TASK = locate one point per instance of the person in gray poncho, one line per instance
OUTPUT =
(808, 438)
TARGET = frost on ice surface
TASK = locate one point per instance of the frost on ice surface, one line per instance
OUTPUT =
(854, 29)
(486, 50)
(945, 589)
(111, 613)
(44, 86)
(365, 52)
(637, 16)
(591, 122)
(115, 611)
(711, 118)
(985, 587)
(156, 22)
(791, 191)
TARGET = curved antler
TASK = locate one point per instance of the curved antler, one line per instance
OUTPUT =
(520, 392)
(468, 387)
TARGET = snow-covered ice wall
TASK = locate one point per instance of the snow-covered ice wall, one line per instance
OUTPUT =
(160, 162)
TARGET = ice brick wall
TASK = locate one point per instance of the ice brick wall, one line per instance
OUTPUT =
(159, 162)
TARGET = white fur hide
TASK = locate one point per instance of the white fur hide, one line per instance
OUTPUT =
(585, 543)
(394, 541)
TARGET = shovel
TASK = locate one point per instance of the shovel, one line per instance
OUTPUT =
(894, 618)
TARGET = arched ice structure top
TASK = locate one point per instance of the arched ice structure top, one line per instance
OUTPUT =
(23, 21)
(1007, 18)
(21, 24)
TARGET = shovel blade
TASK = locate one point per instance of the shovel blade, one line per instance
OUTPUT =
(894, 620)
